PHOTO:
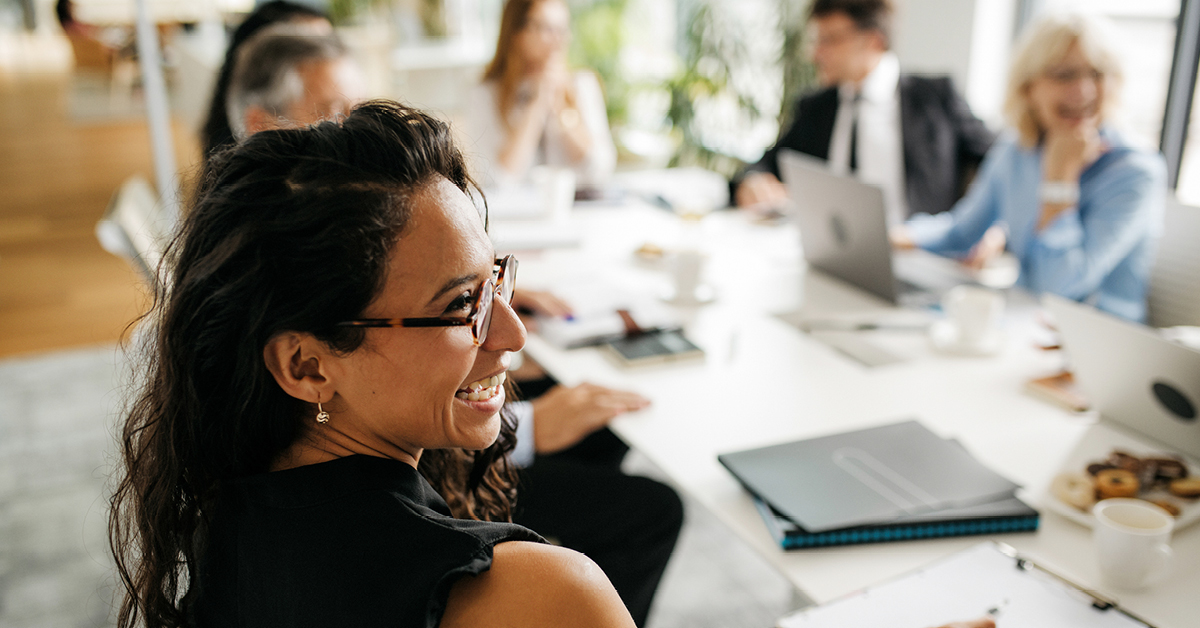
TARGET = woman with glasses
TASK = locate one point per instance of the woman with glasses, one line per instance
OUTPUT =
(319, 436)
(1077, 204)
(531, 110)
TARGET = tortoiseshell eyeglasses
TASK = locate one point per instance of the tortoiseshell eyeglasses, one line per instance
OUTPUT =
(499, 286)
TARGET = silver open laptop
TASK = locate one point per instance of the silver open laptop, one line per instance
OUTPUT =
(844, 233)
(1132, 375)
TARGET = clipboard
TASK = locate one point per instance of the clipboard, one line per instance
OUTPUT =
(988, 578)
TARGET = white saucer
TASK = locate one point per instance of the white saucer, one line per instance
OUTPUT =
(702, 295)
(944, 337)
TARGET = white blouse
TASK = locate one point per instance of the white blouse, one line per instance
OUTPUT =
(485, 136)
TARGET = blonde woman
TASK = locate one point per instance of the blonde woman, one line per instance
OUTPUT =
(531, 110)
(1064, 192)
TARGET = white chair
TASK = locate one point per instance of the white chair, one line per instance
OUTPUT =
(136, 227)
(1174, 295)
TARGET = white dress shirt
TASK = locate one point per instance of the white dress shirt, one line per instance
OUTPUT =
(880, 145)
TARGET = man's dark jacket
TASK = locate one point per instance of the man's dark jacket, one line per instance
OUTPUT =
(943, 141)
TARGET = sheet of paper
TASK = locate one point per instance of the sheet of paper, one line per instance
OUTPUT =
(962, 587)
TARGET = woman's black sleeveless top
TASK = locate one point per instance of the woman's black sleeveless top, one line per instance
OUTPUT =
(359, 541)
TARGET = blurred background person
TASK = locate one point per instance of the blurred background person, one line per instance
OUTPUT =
(912, 135)
(287, 78)
(216, 132)
(1067, 195)
(531, 110)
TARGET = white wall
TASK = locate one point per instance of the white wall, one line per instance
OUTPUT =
(970, 40)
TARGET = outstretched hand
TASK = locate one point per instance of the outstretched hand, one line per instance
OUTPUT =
(564, 416)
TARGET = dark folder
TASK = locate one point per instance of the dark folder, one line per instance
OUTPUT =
(889, 475)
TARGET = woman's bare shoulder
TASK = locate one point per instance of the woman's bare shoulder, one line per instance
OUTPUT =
(530, 584)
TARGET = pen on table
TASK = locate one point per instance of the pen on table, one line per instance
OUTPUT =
(839, 326)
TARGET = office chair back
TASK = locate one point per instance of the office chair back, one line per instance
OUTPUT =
(136, 227)
(1174, 295)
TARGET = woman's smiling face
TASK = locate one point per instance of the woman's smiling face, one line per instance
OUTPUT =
(401, 389)
(1069, 94)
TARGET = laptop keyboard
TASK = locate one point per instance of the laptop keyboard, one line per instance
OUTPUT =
(907, 287)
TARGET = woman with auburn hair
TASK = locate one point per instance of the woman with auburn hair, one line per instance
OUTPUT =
(1077, 204)
(320, 436)
(531, 110)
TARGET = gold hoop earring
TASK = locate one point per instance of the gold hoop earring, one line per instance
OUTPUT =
(322, 415)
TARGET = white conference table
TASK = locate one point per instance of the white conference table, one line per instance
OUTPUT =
(764, 382)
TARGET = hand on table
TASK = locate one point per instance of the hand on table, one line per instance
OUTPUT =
(758, 190)
(901, 238)
(539, 303)
(989, 247)
(983, 622)
(564, 416)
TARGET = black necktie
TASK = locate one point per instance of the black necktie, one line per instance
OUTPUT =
(854, 133)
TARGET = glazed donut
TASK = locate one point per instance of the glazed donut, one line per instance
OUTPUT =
(1116, 483)
(1074, 489)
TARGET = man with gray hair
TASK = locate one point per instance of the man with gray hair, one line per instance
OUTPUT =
(287, 77)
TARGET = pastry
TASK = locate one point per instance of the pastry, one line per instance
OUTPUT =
(1166, 505)
(1147, 473)
(1122, 460)
(650, 251)
(1097, 467)
(1169, 468)
(1117, 483)
(1185, 487)
(1074, 489)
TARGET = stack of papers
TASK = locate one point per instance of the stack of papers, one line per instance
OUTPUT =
(984, 580)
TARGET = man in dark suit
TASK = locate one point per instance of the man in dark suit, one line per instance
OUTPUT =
(914, 136)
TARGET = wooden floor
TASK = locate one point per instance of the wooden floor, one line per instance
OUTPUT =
(58, 288)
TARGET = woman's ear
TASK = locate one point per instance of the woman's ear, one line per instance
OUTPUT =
(296, 361)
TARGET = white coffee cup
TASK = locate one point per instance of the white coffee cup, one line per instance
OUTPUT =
(1131, 538)
(557, 189)
(974, 314)
(687, 267)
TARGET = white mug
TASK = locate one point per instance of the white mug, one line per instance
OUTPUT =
(557, 188)
(974, 312)
(686, 269)
(1131, 538)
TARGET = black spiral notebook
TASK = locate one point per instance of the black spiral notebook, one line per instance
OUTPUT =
(888, 483)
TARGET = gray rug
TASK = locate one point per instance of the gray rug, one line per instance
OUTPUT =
(57, 444)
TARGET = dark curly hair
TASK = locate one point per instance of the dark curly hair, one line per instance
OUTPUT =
(290, 231)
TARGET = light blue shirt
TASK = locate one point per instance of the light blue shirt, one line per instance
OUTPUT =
(1100, 252)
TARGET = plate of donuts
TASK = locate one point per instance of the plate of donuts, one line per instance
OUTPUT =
(1164, 479)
